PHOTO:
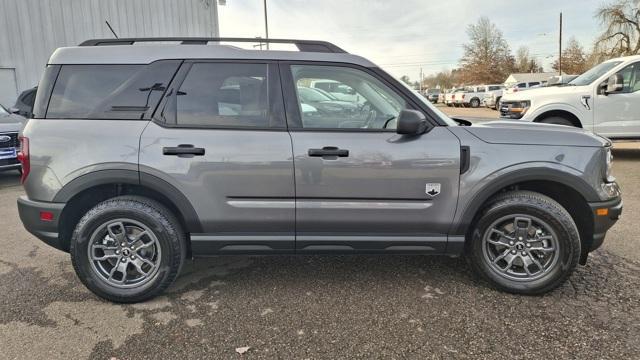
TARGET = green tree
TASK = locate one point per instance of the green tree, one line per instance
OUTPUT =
(487, 57)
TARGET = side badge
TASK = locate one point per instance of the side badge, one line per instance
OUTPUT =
(432, 189)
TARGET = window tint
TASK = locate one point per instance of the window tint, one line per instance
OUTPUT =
(220, 94)
(109, 91)
(493, 88)
(631, 78)
(534, 84)
(522, 85)
(356, 100)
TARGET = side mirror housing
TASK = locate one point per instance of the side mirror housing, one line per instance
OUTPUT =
(411, 122)
(615, 84)
(14, 110)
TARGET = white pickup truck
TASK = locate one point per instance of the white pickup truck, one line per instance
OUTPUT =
(472, 96)
(605, 100)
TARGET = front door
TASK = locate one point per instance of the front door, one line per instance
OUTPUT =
(359, 185)
(618, 114)
(220, 138)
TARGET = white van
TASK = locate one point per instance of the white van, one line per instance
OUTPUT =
(605, 100)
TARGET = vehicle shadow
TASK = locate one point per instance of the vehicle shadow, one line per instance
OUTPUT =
(626, 154)
(9, 178)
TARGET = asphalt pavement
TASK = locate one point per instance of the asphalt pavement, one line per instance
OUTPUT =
(313, 307)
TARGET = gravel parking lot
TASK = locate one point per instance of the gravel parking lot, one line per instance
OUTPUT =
(324, 307)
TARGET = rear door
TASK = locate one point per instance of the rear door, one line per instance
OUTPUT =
(360, 186)
(219, 136)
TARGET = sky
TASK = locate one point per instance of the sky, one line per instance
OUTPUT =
(404, 36)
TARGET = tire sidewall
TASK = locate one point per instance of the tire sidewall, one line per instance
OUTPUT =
(566, 239)
(97, 217)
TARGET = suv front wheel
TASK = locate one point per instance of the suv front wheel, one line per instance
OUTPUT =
(128, 249)
(524, 242)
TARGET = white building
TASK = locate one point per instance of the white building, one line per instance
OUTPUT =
(30, 30)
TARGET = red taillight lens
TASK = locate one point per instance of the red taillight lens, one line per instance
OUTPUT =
(462, 96)
(23, 157)
(453, 97)
(46, 216)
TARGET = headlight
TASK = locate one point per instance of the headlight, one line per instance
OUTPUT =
(514, 109)
(609, 162)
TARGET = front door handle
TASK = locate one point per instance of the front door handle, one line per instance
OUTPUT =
(329, 152)
(183, 150)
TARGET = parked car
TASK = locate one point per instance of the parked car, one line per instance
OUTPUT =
(154, 172)
(492, 95)
(442, 95)
(433, 95)
(473, 96)
(10, 126)
(450, 98)
(605, 100)
(524, 86)
(340, 91)
(24, 103)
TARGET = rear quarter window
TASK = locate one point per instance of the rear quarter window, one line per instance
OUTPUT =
(109, 91)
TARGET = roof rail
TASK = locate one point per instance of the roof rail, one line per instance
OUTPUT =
(302, 45)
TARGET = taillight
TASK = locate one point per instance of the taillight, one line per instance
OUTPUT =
(453, 97)
(462, 96)
(23, 157)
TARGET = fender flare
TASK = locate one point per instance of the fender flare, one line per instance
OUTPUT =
(518, 176)
(132, 177)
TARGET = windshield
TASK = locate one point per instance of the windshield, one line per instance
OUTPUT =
(3, 111)
(595, 72)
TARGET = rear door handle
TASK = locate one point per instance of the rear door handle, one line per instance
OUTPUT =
(183, 150)
(329, 152)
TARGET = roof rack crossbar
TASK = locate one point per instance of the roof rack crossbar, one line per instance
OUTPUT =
(302, 45)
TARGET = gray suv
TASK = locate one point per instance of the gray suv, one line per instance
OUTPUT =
(138, 157)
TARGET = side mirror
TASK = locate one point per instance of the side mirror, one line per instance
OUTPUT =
(14, 110)
(615, 84)
(411, 122)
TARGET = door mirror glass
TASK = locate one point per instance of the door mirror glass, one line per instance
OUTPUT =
(411, 122)
(615, 84)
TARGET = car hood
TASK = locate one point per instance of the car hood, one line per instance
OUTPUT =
(528, 133)
(11, 123)
(545, 91)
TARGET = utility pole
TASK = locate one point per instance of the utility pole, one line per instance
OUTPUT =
(420, 84)
(266, 23)
(559, 48)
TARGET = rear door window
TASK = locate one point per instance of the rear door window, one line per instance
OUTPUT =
(109, 91)
(226, 95)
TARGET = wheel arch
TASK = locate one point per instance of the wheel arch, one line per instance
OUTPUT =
(569, 190)
(560, 113)
(86, 191)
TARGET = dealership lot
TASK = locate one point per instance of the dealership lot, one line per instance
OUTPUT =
(323, 307)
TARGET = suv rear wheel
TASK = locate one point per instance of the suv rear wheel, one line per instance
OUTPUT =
(128, 249)
(558, 120)
(525, 243)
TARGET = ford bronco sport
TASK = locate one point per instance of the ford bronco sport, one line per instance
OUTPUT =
(138, 157)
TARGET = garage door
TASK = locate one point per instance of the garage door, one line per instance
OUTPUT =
(8, 88)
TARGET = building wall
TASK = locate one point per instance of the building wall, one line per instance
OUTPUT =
(30, 30)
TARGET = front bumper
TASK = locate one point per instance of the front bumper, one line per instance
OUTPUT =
(9, 164)
(605, 215)
(46, 230)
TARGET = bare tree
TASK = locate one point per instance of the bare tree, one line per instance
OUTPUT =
(524, 63)
(574, 59)
(621, 37)
(487, 56)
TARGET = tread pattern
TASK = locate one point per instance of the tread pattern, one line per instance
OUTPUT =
(148, 207)
(540, 203)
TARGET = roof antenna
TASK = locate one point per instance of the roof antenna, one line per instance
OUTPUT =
(110, 28)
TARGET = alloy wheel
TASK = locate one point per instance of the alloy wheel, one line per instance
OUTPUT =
(124, 253)
(520, 247)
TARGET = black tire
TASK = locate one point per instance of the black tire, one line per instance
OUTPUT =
(557, 120)
(497, 104)
(538, 206)
(475, 103)
(157, 219)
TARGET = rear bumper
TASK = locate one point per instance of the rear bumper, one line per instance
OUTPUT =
(47, 231)
(603, 222)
